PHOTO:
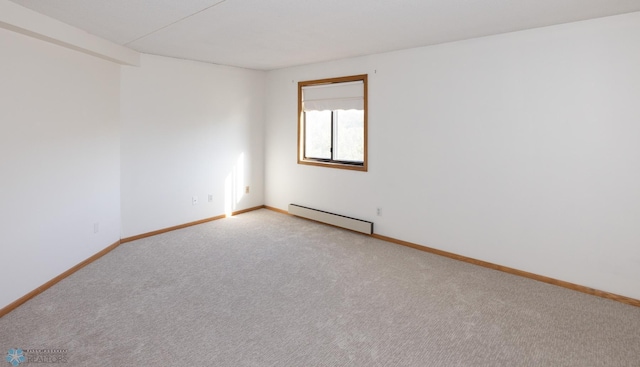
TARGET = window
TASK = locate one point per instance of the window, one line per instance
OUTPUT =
(332, 128)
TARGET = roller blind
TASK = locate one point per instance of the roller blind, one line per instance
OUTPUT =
(335, 96)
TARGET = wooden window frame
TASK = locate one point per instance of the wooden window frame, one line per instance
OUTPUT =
(332, 164)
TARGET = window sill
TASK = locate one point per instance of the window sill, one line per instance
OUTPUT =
(352, 167)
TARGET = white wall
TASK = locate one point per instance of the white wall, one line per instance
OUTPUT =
(519, 149)
(59, 160)
(189, 129)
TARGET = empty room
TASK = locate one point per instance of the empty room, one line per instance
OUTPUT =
(320, 183)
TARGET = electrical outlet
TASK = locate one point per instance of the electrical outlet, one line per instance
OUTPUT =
(194, 200)
(96, 227)
(379, 212)
(246, 190)
(211, 198)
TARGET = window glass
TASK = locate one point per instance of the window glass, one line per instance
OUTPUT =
(318, 134)
(349, 135)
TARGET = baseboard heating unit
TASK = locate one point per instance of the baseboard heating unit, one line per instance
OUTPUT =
(337, 220)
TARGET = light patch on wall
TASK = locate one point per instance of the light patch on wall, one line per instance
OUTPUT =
(234, 186)
(239, 175)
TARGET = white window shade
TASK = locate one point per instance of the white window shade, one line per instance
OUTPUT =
(336, 96)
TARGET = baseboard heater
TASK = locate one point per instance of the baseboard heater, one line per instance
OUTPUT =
(337, 220)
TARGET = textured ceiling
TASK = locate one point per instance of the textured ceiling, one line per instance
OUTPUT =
(271, 34)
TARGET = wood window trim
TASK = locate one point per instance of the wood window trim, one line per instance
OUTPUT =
(312, 162)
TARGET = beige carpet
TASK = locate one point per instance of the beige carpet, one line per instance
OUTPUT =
(266, 289)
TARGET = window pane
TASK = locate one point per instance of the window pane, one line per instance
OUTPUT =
(349, 135)
(317, 134)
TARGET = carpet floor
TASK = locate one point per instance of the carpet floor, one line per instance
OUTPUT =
(267, 289)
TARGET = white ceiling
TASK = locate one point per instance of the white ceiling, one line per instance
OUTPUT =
(272, 34)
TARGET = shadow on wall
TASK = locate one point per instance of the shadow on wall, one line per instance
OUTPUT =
(234, 186)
